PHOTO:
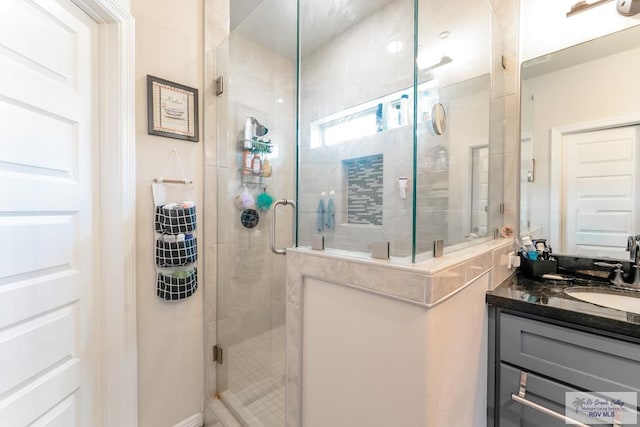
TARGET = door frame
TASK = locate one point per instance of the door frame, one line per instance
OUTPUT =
(556, 172)
(117, 191)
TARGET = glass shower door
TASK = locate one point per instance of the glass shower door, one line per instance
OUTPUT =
(356, 125)
(256, 156)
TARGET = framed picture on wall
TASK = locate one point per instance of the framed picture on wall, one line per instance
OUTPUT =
(172, 109)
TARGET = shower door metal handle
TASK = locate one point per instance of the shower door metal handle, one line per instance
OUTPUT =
(284, 202)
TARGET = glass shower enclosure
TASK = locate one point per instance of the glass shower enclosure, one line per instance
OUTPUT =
(256, 155)
(374, 115)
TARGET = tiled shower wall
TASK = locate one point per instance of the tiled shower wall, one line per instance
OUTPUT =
(442, 212)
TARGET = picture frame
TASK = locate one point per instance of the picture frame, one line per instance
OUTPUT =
(172, 109)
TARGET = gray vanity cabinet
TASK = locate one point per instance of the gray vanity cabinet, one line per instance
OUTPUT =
(556, 359)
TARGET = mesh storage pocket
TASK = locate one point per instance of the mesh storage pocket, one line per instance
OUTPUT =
(175, 254)
(173, 288)
(175, 221)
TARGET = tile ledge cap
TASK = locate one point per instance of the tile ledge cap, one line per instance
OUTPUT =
(428, 267)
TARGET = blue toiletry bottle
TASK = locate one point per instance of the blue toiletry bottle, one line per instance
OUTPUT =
(379, 118)
(404, 110)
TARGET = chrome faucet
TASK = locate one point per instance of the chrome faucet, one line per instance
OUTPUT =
(616, 276)
(633, 247)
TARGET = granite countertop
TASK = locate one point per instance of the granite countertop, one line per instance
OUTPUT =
(547, 299)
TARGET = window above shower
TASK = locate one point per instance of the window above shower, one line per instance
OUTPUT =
(381, 114)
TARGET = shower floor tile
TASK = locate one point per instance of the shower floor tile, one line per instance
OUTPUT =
(269, 409)
(257, 376)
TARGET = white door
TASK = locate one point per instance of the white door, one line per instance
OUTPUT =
(600, 192)
(49, 265)
(479, 190)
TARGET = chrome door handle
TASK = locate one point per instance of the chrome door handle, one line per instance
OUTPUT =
(520, 398)
(272, 239)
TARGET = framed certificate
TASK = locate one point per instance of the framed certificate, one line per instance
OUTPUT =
(172, 109)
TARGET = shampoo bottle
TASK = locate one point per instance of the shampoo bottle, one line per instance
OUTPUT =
(246, 162)
(379, 118)
(266, 168)
(248, 133)
(256, 164)
(404, 110)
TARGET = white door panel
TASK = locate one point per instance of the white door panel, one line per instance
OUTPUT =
(37, 91)
(39, 243)
(597, 148)
(605, 222)
(52, 49)
(38, 397)
(36, 140)
(48, 332)
(49, 313)
(60, 416)
(15, 185)
(617, 188)
(599, 191)
(601, 251)
(24, 299)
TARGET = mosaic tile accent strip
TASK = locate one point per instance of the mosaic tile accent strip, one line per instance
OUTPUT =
(364, 189)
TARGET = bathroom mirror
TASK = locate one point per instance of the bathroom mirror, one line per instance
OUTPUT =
(438, 119)
(580, 136)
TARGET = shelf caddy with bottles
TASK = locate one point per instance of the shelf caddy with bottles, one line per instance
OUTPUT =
(255, 162)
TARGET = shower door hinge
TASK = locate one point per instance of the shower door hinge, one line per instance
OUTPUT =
(217, 354)
(219, 86)
(502, 208)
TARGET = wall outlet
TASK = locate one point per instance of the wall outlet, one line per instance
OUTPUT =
(511, 260)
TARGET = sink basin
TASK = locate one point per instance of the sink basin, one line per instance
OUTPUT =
(612, 298)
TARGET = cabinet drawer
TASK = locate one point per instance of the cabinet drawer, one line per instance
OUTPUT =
(542, 391)
(588, 361)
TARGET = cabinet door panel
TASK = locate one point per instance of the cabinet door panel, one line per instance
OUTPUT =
(540, 390)
(588, 361)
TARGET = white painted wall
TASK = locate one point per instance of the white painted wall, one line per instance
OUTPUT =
(545, 27)
(411, 367)
(561, 100)
(169, 44)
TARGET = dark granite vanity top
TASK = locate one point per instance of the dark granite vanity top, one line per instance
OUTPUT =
(548, 299)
